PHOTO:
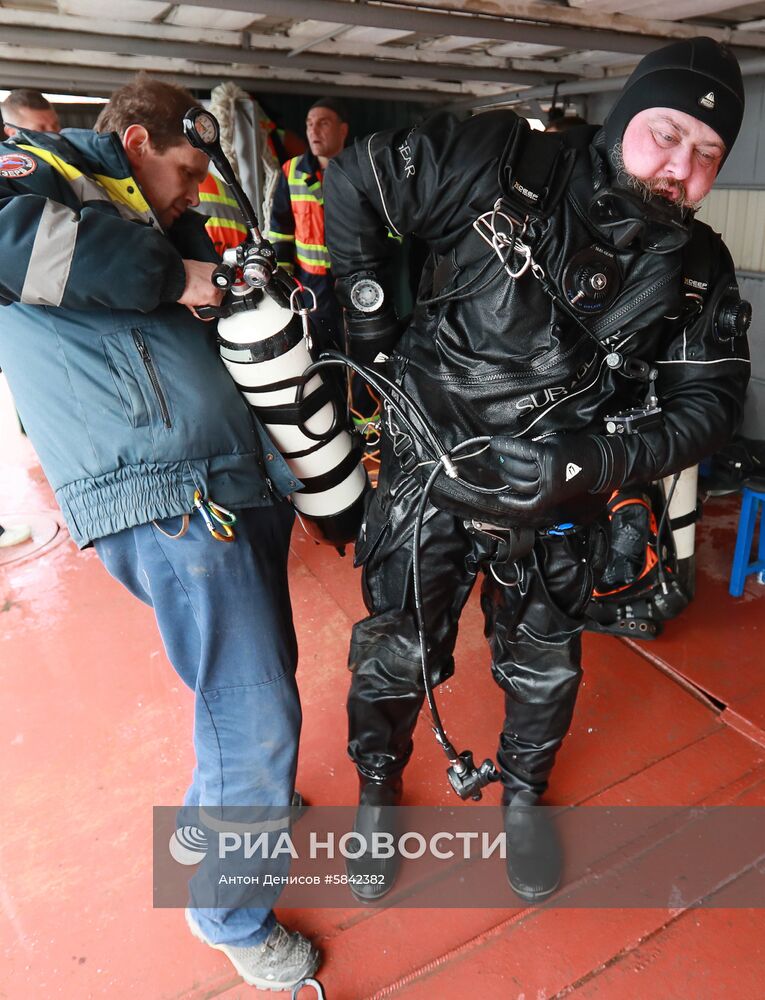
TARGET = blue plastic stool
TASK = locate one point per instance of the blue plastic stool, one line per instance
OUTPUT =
(751, 508)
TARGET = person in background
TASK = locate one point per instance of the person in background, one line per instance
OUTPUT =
(28, 109)
(297, 234)
(559, 121)
(297, 217)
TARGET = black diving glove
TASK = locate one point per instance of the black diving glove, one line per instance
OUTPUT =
(548, 473)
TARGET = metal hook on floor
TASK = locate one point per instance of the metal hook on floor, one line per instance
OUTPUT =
(309, 982)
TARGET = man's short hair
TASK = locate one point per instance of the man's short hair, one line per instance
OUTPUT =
(156, 105)
(24, 98)
(332, 104)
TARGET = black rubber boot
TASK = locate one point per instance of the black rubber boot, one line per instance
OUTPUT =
(534, 854)
(372, 877)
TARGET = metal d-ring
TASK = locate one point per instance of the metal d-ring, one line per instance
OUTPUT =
(298, 290)
(308, 982)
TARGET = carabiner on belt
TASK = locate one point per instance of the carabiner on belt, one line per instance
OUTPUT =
(219, 520)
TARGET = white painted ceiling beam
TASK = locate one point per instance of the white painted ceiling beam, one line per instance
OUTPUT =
(314, 61)
(589, 14)
(102, 82)
(678, 10)
(569, 27)
(211, 73)
(279, 42)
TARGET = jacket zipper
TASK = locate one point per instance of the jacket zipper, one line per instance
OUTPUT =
(626, 310)
(151, 371)
(521, 380)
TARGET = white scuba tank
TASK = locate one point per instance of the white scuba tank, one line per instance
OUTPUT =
(266, 351)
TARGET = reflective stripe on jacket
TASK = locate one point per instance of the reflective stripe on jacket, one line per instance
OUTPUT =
(297, 217)
(225, 225)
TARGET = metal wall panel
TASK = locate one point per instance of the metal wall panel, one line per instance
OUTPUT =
(739, 215)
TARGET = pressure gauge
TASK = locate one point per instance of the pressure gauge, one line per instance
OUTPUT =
(201, 129)
(207, 129)
(367, 295)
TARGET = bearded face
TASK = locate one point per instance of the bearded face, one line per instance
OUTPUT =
(669, 154)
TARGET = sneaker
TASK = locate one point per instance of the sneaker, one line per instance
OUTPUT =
(282, 961)
(15, 535)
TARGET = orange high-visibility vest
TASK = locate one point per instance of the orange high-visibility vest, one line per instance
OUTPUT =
(297, 231)
(225, 225)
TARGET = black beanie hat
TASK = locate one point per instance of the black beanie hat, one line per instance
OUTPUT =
(697, 76)
(332, 104)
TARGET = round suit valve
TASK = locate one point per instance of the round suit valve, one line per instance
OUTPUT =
(614, 359)
(591, 280)
(733, 316)
(256, 274)
(367, 295)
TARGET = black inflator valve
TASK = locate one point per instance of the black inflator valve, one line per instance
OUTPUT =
(733, 316)
(591, 280)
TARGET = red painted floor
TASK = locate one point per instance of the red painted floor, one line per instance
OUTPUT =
(95, 731)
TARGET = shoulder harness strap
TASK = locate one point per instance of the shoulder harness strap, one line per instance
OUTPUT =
(700, 257)
(534, 169)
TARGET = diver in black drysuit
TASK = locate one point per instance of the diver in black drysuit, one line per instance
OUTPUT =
(524, 360)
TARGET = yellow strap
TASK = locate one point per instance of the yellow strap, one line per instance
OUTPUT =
(318, 247)
(222, 198)
(294, 196)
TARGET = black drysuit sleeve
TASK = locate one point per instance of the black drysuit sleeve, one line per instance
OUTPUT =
(421, 180)
(701, 387)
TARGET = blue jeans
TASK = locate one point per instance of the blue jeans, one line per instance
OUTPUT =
(224, 614)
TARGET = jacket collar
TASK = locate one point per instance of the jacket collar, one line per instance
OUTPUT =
(91, 152)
